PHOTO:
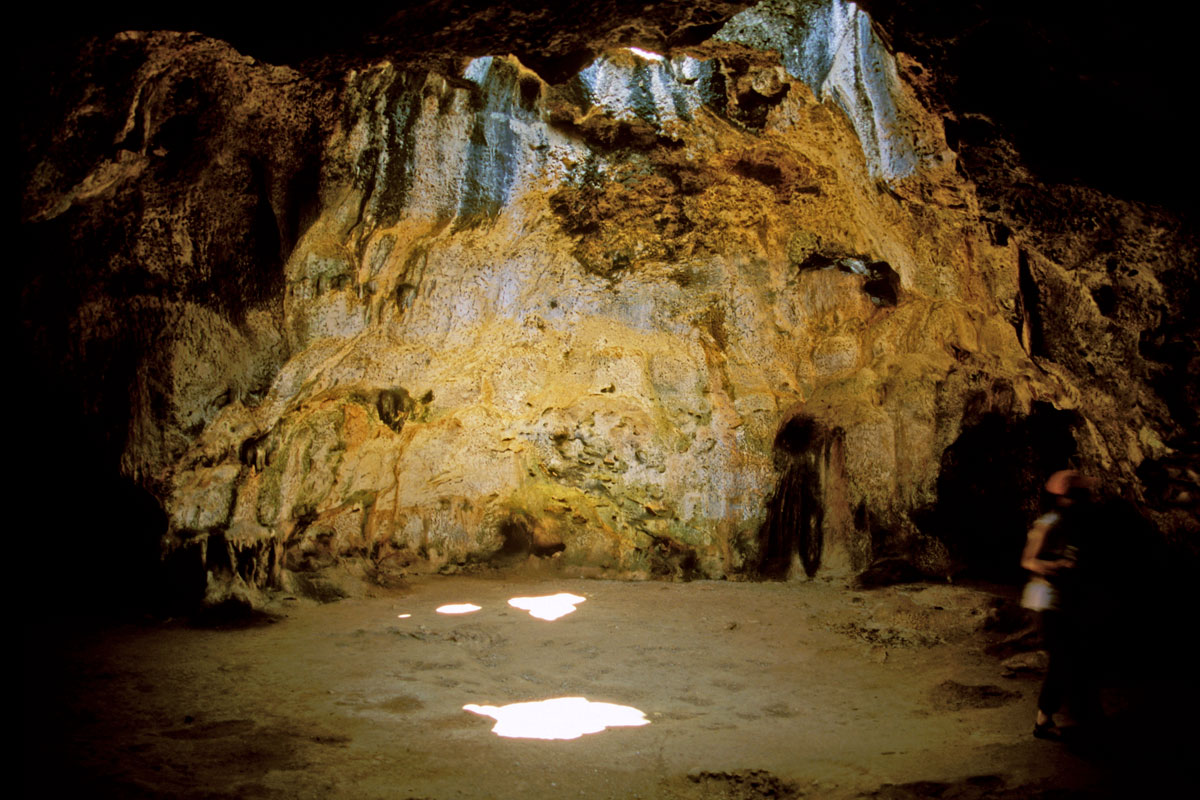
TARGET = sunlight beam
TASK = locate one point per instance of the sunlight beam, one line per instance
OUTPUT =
(458, 608)
(646, 54)
(548, 607)
(558, 718)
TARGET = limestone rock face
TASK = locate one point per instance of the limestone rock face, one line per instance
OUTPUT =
(731, 310)
(833, 48)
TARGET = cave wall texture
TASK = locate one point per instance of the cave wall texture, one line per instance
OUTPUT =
(449, 284)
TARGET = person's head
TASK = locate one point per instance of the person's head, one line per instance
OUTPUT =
(1068, 486)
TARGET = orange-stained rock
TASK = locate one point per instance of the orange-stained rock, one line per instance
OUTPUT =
(434, 319)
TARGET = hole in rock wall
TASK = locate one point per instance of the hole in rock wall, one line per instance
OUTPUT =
(1029, 319)
(671, 559)
(1105, 298)
(517, 538)
(253, 452)
(1000, 233)
(217, 556)
(989, 486)
(394, 406)
(881, 284)
(530, 89)
(525, 535)
(793, 527)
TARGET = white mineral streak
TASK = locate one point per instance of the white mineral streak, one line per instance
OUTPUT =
(482, 159)
(661, 92)
(832, 47)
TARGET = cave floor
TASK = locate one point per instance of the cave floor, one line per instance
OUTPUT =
(752, 690)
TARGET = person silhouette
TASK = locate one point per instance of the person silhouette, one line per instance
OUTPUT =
(1055, 555)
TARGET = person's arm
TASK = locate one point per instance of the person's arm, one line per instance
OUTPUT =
(1033, 546)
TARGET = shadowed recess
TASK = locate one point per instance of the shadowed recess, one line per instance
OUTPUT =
(792, 529)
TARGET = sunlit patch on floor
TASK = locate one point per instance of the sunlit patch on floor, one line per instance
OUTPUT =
(558, 718)
(404, 616)
(646, 54)
(548, 607)
(458, 608)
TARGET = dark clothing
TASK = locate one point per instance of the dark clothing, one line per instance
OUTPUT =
(1067, 628)
(1069, 676)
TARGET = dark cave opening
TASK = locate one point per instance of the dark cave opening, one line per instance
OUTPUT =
(90, 537)
(990, 485)
(524, 536)
(882, 284)
(793, 527)
(517, 539)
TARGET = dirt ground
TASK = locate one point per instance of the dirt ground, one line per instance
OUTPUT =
(752, 690)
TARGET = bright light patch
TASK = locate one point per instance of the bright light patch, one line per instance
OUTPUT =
(646, 54)
(558, 718)
(404, 616)
(458, 608)
(548, 607)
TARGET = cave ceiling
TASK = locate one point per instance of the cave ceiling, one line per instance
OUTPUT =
(1091, 92)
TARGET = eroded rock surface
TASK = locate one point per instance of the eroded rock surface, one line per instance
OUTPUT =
(729, 310)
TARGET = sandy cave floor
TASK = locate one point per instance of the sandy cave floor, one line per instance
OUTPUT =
(752, 690)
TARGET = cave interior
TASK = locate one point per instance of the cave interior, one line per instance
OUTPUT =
(802, 297)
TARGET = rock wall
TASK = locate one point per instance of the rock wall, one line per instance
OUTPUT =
(734, 310)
